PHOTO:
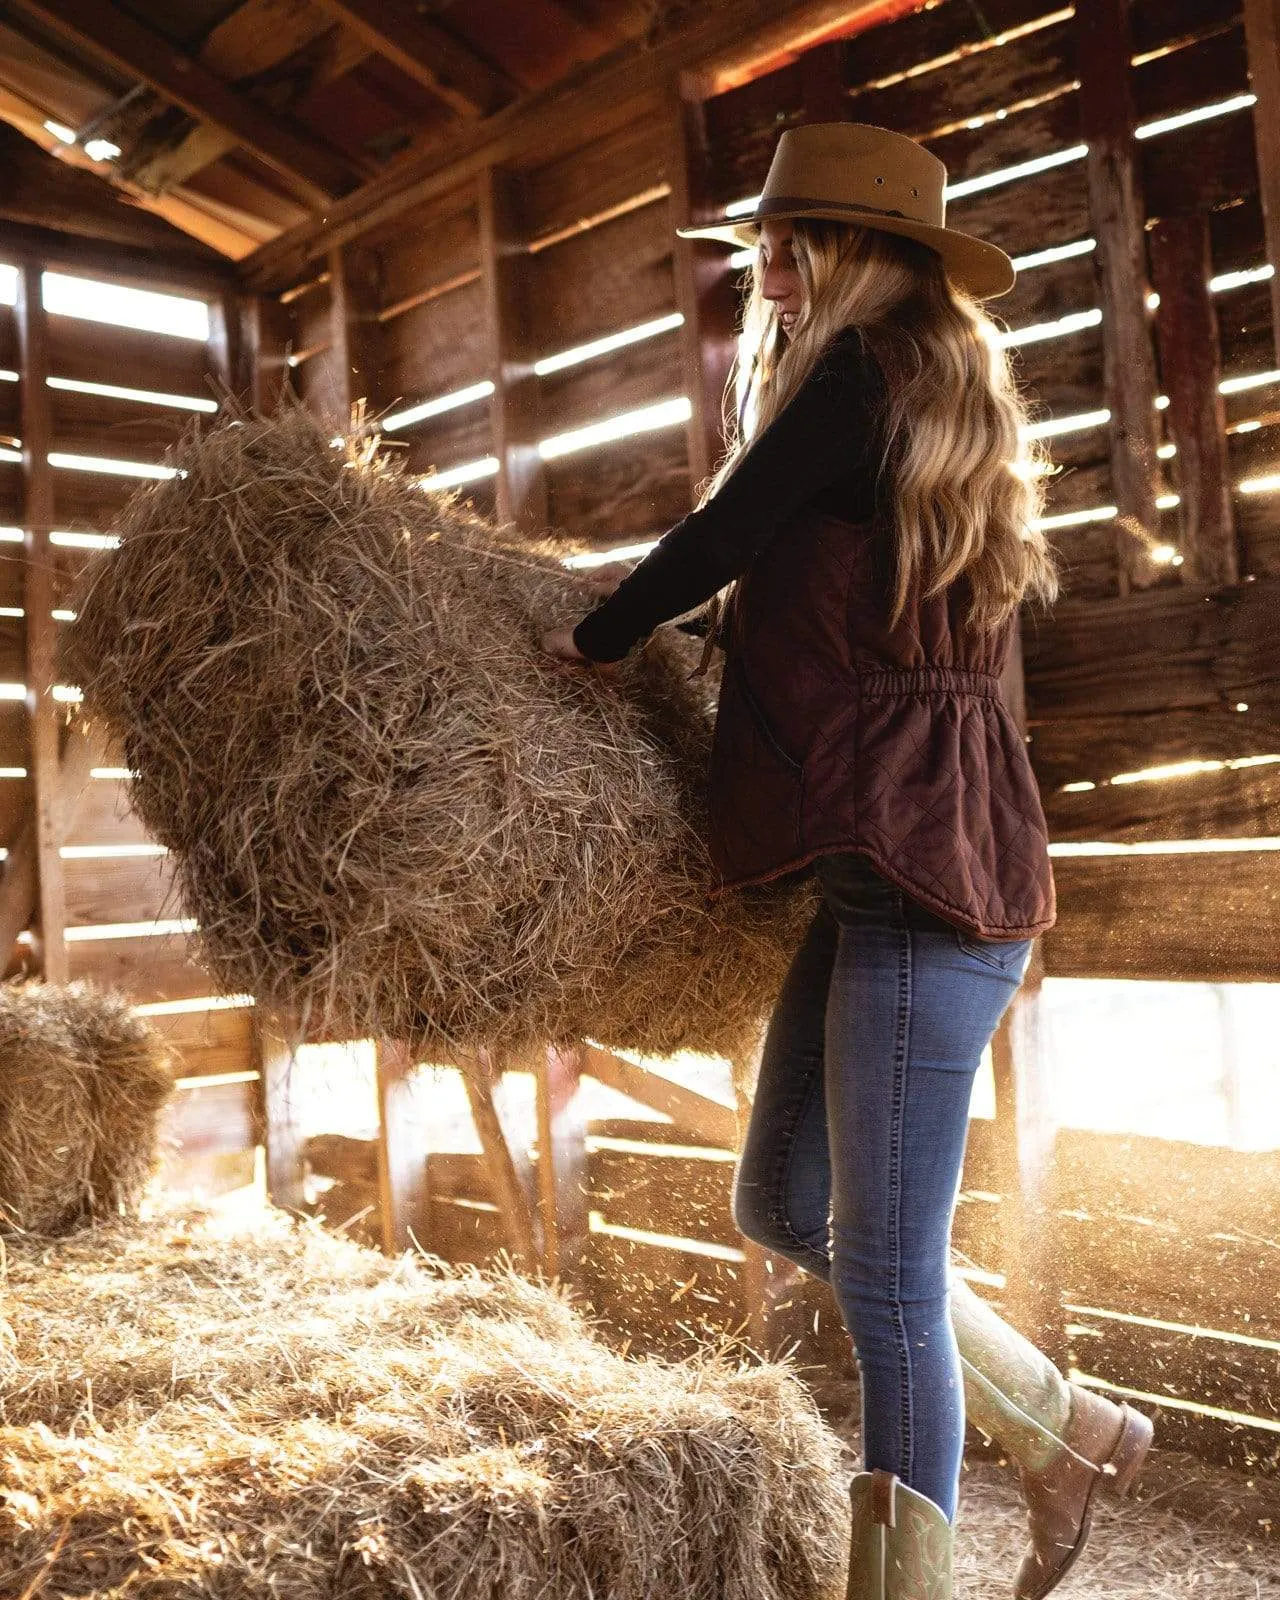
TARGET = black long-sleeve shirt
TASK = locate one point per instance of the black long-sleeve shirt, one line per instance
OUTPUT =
(822, 447)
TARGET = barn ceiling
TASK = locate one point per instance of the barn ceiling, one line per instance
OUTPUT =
(235, 122)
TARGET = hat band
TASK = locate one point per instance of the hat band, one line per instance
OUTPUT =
(789, 203)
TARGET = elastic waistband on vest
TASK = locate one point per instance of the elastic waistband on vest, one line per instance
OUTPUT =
(927, 680)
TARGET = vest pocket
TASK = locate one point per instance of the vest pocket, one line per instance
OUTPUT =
(1005, 955)
(762, 722)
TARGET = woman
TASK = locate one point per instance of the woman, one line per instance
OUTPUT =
(877, 523)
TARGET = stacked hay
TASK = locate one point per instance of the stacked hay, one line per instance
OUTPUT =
(287, 1415)
(82, 1084)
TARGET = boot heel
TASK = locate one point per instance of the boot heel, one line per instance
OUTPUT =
(1121, 1469)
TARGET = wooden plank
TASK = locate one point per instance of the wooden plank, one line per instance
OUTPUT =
(1095, 748)
(209, 1042)
(159, 967)
(1187, 332)
(469, 84)
(429, 245)
(1262, 32)
(130, 262)
(697, 1115)
(674, 1189)
(657, 1299)
(1228, 804)
(621, 493)
(637, 375)
(313, 169)
(120, 889)
(354, 332)
(603, 279)
(596, 179)
(562, 1161)
(1171, 1230)
(281, 1131)
(435, 348)
(1200, 167)
(1031, 66)
(509, 1191)
(101, 425)
(99, 352)
(338, 1155)
(40, 629)
(446, 440)
(706, 291)
(1175, 649)
(401, 1159)
(1203, 916)
(936, 33)
(509, 356)
(1117, 211)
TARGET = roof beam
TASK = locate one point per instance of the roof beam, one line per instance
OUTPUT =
(315, 172)
(451, 70)
(722, 40)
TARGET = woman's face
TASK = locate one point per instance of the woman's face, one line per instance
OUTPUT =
(781, 278)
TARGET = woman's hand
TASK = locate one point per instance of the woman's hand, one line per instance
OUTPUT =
(600, 582)
(558, 642)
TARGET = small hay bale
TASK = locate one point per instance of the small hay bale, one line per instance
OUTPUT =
(387, 808)
(82, 1084)
(283, 1414)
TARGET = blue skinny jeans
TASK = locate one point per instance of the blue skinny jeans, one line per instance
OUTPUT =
(852, 1158)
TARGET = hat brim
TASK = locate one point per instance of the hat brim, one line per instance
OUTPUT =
(980, 269)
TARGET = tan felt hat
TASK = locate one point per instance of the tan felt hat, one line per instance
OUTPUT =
(852, 172)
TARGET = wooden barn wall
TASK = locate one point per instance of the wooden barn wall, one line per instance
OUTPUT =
(1160, 651)
(118, 895)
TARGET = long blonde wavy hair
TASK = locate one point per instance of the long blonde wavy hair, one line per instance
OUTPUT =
(964, 482)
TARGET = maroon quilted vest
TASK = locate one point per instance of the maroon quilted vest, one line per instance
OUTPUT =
(836, 732)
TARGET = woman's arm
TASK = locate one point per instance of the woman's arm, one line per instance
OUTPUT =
(821, 434)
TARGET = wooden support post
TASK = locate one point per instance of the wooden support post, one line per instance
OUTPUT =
(267, 335)
(513, 409)
(1262, 37)
(562, 1161)
(353, 327)
(274, 1041)
(510, 1191)
(1187, 331)
(40, 629)
(1025, 1132)
(231, 343)
(705, 290)
(402, 1157)
(1118, 217)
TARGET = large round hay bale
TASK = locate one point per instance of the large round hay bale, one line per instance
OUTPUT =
(82, 1084)
(387, 808)
(281, 1413)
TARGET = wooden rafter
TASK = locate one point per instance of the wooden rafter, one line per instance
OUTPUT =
(296, 47)
(624, 86)
(316, 172)
(425, 52)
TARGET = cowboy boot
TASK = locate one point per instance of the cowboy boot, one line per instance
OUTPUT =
(901, 1543)
(1068, 1442)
